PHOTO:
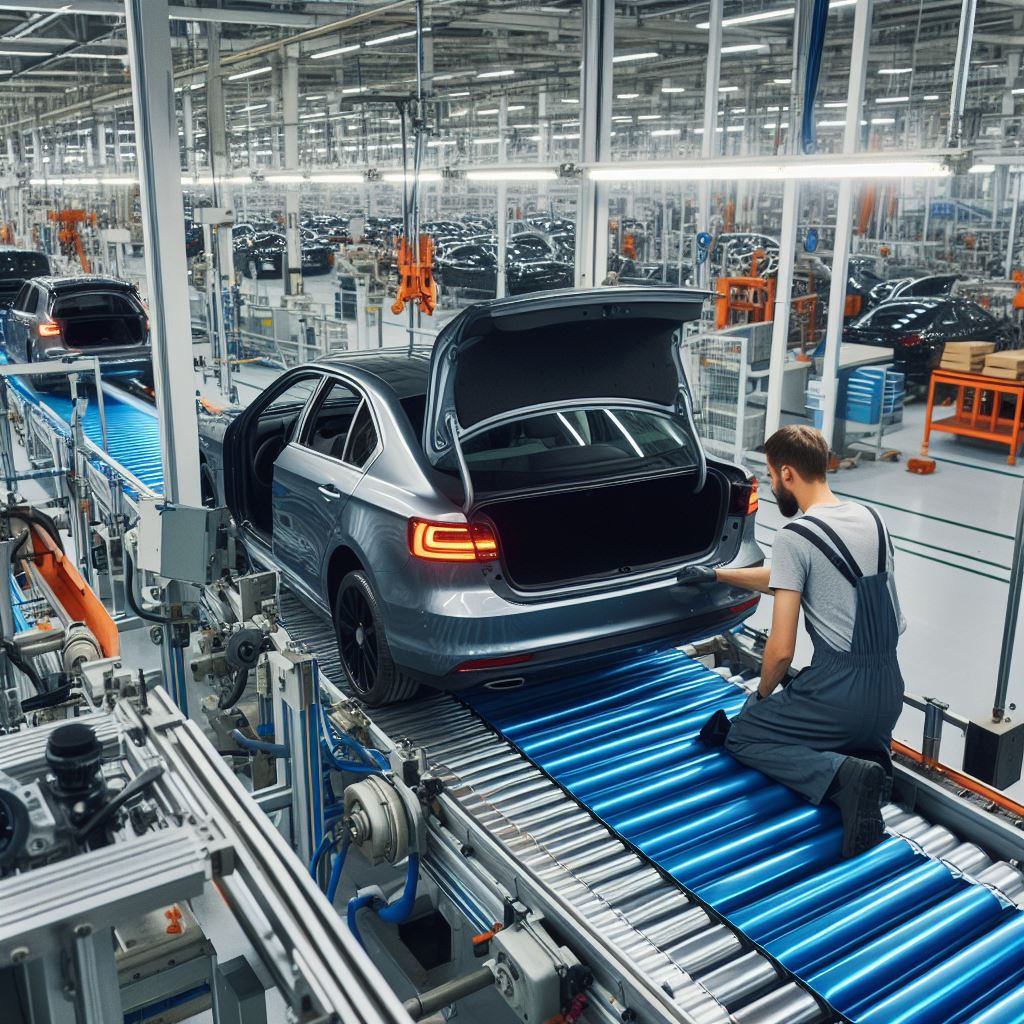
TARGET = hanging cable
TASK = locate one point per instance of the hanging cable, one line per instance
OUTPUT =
(815, 48)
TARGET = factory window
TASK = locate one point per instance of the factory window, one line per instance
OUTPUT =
(328, 426)
(363, 439)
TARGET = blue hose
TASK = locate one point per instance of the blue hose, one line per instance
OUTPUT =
(324, 846)
(354, 906)
(815, 48)
(259, 746)
(400, 910)
(339, 863)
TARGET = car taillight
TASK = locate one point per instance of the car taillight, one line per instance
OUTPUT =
(452, 542)
(910, 341)
(49, 329)
(743, 500)
(491, 663)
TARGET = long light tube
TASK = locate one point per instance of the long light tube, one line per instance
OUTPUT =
(774, 170)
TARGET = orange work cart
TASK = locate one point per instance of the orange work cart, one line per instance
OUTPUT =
(975, 416)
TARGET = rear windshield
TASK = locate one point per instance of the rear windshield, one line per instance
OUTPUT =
(96, 304)
(23, 265)
(897, 316)
(574, 445)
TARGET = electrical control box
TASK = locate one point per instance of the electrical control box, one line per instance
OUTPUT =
(182, 542)
(528, 972)
(994, 752)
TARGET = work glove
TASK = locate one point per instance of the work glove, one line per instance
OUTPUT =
(695, 574)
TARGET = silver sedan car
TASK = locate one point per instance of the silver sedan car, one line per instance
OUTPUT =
(519, 497)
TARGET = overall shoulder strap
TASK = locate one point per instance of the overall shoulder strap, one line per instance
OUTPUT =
(849, 572)
(838, 541)
(884, 540)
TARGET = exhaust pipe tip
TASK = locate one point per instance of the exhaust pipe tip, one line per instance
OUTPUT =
(501, 685)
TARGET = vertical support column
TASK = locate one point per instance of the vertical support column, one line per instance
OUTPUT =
(188, 130)
(542, 144)
(961, 71)
(595, 141)
(501, 221)
(844, 217)
(97, 993)
(216, 130)
(37, 151)
(290, 87)
(709, 140)
(1011, 239)
(149, 52)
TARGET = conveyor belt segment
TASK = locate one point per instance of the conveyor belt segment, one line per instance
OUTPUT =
(892, 936)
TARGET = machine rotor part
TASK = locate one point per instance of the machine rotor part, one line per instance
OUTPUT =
(379, 822)
(243, 648)
(79, 646)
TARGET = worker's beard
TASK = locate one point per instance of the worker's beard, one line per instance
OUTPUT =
(787, 503)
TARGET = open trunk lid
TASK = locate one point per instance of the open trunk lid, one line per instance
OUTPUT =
(501, 359)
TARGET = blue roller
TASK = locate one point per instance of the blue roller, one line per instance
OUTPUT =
(940, 995)
(1008, 1010)
(877, 969)
(886, 938)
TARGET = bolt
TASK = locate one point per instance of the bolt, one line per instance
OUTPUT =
(19, 954)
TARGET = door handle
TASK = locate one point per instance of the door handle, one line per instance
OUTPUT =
(329, 491)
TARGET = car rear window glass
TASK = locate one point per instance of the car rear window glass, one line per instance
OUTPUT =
(363, 438)
(575, 445)
(96, 304)
(898, 316)
(328, 426)
(23, 264)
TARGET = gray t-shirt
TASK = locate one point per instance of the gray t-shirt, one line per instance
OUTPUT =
(827, 598)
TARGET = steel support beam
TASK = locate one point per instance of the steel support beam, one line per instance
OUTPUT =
(961, 73)
(595, 141)
(501, 223)
(290, 105)
(844, 216)
(709, 140)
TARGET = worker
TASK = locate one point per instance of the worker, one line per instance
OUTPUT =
(828, 733)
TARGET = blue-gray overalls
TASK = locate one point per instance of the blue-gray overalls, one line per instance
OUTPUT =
(844, 702)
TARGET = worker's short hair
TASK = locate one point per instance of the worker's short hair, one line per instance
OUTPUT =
(804, 449)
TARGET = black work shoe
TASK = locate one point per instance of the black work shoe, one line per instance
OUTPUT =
(857, 792)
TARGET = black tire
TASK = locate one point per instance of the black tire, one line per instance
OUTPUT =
(371, 674)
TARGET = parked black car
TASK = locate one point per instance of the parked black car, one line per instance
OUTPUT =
(16, 267)
(475, 266)
(917, 331)
(56, 317)
(262, 255)
(193, 239)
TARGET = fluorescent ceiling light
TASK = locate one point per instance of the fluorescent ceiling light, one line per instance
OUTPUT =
(728, 88)
(672, 88)
(398, 177)
(93, 56)
(1017, 92)
(455, 95)
(802, 168)
(831, 124)
(734, 128)
(486, 142)
(256, 106)
(893, 99)
(249, 74)
(310, 99)
(835, 105)
(516, 106)
(626, 58)
(883, 120)
(895, 71)
(26, 53)
(665, 131)
(310, 117)
(744, 47)
(930, 96)
(648, 117)
(284, 179)
(488, 112)
(456, 113)
(751, 19)
(320, 54)
(513, 174)
(783, 81)
(352, 90)
(568, 99)
(338, 179)
(982, 169)
(622, 117)
(627, 95)
(435, 143)
(503, 73)
(394, 37)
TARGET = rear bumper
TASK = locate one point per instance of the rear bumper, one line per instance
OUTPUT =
(438, 621)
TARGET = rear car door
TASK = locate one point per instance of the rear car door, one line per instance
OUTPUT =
(316, 474)
(24, 318)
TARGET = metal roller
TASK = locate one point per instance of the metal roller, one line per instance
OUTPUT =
(788, 1005)
(739, 979)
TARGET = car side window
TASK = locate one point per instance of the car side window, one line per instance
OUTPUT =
(288, 405)
(363, 437)
(327, 428)
(22, 297)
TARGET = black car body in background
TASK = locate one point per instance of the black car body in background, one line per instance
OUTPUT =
(529, 266)
(262, 254)
(16, 267)
(91, 315)
(917, 331)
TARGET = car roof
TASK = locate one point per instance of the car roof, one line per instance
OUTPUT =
(404, 372)
(66, 284)
(18, 248)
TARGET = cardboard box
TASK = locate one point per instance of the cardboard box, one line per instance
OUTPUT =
(966, 351)
(1011, 360)
(975, 367)
(1004, 372)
